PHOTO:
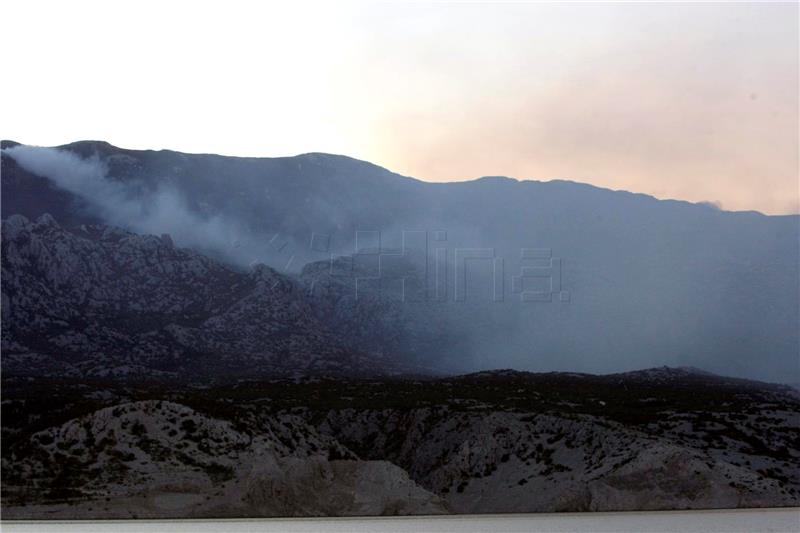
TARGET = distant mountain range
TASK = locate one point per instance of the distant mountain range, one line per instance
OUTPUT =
(371, 271)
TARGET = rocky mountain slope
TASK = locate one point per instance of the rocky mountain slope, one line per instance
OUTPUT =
(676, 283)
(371, 304)
(157, 459)
(504, 462)
(498, 441)
(100, 301)
(517, 442)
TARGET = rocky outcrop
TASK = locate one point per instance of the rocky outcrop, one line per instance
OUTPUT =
(483, 460)
(160, 459)
(484, 443)
(106, 302)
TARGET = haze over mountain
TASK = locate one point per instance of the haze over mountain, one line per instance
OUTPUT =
(619, 280)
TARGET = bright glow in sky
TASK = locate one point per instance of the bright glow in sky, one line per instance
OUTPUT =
(695, 102)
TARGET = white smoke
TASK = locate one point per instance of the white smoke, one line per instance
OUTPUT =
(129, 206)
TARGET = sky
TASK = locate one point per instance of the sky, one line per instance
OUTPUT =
(697, 102)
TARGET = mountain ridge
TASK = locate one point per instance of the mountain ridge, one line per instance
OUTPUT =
(634, 282)
(84, 147)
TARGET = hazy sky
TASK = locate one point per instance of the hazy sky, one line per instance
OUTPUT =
(696, 102)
